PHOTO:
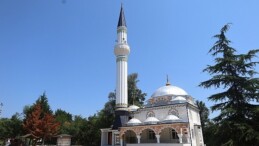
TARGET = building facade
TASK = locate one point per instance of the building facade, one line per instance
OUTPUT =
(170, 116)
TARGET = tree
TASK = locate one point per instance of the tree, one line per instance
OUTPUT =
(233, 73)
(77, 130)
(11, 128)
(65, 120)
(135, 95)
(41, 125)
(207, 126)
(43, 101)
(204, 113)
(1, 105)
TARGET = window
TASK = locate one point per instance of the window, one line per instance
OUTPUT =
(174, 134)
(151, 134)
(150, 114)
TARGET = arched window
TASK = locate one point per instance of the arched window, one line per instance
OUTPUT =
(150, 114)
(151, 135)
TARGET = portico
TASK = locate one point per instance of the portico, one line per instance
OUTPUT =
(160, 133)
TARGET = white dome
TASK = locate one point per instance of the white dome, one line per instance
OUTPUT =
(151, 120)
(179, 98)
(134, 121)
(133, 108)
(168, 90)
(171, 118)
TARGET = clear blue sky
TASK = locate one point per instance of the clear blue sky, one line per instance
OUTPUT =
(65, 47)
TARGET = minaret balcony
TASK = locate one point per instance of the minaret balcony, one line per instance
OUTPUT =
(121, 49)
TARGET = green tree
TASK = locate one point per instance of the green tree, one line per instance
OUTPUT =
(43, 101)
(135, 95)
(204, 113)
(11, 128)
(77, 130)
(65, 120)
(207, 126)
(234, 74)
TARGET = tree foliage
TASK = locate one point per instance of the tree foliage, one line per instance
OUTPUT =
(40, 125)
(135, 95)
(65, 119)
(234, 74)
(11, 128)
(204, 113)
(43, 101)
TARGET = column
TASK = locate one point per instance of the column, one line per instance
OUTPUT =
(180, 136)
(113, 138)
(188, 138)
(138, 136)
(158, 138)
(102, 138)
(121, 141)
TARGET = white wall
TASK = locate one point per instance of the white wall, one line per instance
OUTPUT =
(162, 111)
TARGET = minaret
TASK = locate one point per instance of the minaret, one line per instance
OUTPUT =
(121, 51)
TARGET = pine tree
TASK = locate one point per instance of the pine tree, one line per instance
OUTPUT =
(234, 74)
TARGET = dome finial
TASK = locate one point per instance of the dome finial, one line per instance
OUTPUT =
(167, 81)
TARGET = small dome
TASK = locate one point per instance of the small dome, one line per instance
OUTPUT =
(133, 122)
(171, 119)
(168, 90)
(151, 120)
(179, 98)
(133, 108)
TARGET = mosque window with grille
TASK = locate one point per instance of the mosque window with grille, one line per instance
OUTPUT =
(151, 135)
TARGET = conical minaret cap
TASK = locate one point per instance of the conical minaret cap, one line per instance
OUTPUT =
(122, 20)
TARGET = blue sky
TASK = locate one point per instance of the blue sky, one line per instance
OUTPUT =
(65, 47)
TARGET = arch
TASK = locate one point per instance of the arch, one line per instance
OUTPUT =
(148, 135)
(169, 135)
(130, 136)
(123, 131)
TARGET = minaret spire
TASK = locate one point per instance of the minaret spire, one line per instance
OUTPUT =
(122, 20)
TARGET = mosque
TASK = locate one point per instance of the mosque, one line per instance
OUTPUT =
(170, 117)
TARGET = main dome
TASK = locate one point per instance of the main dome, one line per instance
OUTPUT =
(168, 90)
